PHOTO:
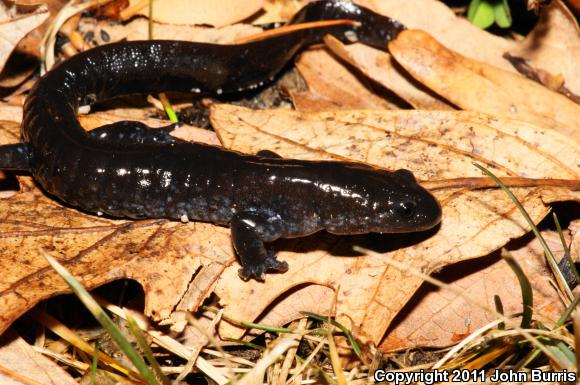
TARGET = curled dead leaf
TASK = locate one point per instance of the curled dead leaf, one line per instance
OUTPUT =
(382, 68)
(480, 87)
(14, 27)
(554, 45)
(331, 85)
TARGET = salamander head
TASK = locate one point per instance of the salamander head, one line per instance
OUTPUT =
(374, 200)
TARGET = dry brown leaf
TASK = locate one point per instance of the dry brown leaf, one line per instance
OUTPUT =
(383, 69)
(313, 298)
(575, 246)
(162, 256)
(216, 13)
(435, 145)
(137, 29)
(279, 10)
(437, 317)
(554, 45)
(24, 59)
(332, 85)
(454, 32)
(13, 27)
(24, 363)
(10, 112)
(476, 86)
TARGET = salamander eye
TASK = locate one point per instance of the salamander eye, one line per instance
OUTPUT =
(405, 209)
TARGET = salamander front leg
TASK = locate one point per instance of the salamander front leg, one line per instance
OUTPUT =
(249, 232)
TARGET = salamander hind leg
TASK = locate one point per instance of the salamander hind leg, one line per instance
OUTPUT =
(250, 230)
(132, 132)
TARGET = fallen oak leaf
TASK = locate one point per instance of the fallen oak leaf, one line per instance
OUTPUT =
(435, 145)
(360, 135)
(162, 256)
(438, 317)
(477, 86)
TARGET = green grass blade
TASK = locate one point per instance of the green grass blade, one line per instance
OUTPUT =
(525, 286)
(245, 343)
(550, 256)
(102, 317)
(249, 325)
(94, 363)
(564, 351)
(171, 115)
(138, 334)
(352, 341)
(499, 309)
(568, 311)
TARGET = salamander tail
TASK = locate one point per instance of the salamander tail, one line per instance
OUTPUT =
(14, 157)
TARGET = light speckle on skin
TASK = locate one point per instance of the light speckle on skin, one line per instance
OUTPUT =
(122, 171)
(166, 178)
(351, 36)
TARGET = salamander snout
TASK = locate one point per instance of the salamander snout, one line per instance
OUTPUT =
(401, 205)
(417, 211)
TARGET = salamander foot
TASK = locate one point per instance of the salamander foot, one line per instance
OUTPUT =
(258, 272)
(249, 232)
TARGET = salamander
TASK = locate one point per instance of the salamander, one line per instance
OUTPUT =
(127, 169)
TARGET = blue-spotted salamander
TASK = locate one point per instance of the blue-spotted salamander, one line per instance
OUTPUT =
(127, 169)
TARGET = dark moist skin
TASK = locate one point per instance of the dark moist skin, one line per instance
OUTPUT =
(127, 169)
